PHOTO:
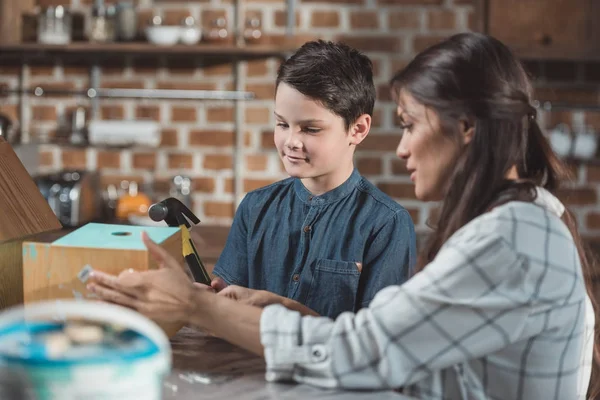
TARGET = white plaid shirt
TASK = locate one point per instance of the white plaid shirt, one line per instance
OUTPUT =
(501, 313)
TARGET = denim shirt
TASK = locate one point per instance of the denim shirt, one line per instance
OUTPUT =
(331, 252)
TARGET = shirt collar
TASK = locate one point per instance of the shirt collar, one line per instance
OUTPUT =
(328, 197)
(549, 201)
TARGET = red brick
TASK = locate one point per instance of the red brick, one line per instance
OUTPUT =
(398, 190)
(41, 70)
(369, 166)
(281, 18)
(228, 185)
(204, 185)
(441, 20)
(262, 91)
(578, 197)
(122, 84)
(399, 167)
(421, 42)
(382, 142)
(148, 113)
(175, 16)
(415, 215)
(108, 159)
(253, 184)
(380, 43)
(376, 120)
(218, 209)
(144, 161)
(384, 93)
(108, 112)
(183, 114)
(218, 161)
(43, 113)
(325, 19)
(218, 70)
(257, 68)
(593, 173)
(592, 220)
(180, 161)
(76, 159)
(46, 158)
(267, 141)
(220, 114)
(256, 162)
(257, 115)
(211, 138)
(364, 19)
(169, 138)
(593, 118)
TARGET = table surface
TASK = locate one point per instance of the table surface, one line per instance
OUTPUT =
(206, 367)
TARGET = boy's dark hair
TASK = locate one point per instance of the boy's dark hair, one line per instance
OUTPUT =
(336, 75)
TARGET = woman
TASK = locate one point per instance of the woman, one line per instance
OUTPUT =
(498, 309)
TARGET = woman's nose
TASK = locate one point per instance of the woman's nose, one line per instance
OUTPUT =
(402, 149)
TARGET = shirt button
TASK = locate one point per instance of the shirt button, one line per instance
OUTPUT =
(307, 228)
(296, 277)
(310, 198)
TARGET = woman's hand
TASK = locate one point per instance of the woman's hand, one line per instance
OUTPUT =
(165, 294)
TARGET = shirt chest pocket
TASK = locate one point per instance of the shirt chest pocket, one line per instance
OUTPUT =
(334, 287)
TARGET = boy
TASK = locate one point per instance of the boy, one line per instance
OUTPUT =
(324, 237)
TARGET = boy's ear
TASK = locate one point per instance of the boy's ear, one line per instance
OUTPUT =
(360, 129)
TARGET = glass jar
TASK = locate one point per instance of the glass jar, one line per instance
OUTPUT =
(103, 24)
(54, 25)
(218, 30)
(253, 32)
(126, 21)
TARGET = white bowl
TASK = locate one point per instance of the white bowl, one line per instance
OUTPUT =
(163, 35)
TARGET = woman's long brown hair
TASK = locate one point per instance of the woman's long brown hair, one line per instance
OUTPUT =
(474, 77)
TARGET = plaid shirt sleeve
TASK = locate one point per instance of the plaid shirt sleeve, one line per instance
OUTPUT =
(410, 330)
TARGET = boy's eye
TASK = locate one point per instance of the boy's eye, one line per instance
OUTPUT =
(282, 125)
(312, 130)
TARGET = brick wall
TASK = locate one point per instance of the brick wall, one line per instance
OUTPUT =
(197, 137)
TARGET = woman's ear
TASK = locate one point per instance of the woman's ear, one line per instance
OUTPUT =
(360, 129)
(467, 129)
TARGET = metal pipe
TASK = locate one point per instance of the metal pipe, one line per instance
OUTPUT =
(550, 106)
(291, 17)
(172, 94)
(94, 85)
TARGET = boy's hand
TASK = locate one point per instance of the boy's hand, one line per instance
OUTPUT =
(218, 284)
(258, 298)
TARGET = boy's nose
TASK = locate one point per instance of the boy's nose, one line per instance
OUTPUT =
(293, 140)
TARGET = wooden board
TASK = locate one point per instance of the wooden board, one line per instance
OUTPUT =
(24, 213)
(23, 208)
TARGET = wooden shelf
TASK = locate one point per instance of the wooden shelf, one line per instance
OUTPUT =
(142, 48)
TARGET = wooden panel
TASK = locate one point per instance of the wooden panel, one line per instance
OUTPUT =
(23, 208)
(11, 267)
(11, 12)
(544, 28)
